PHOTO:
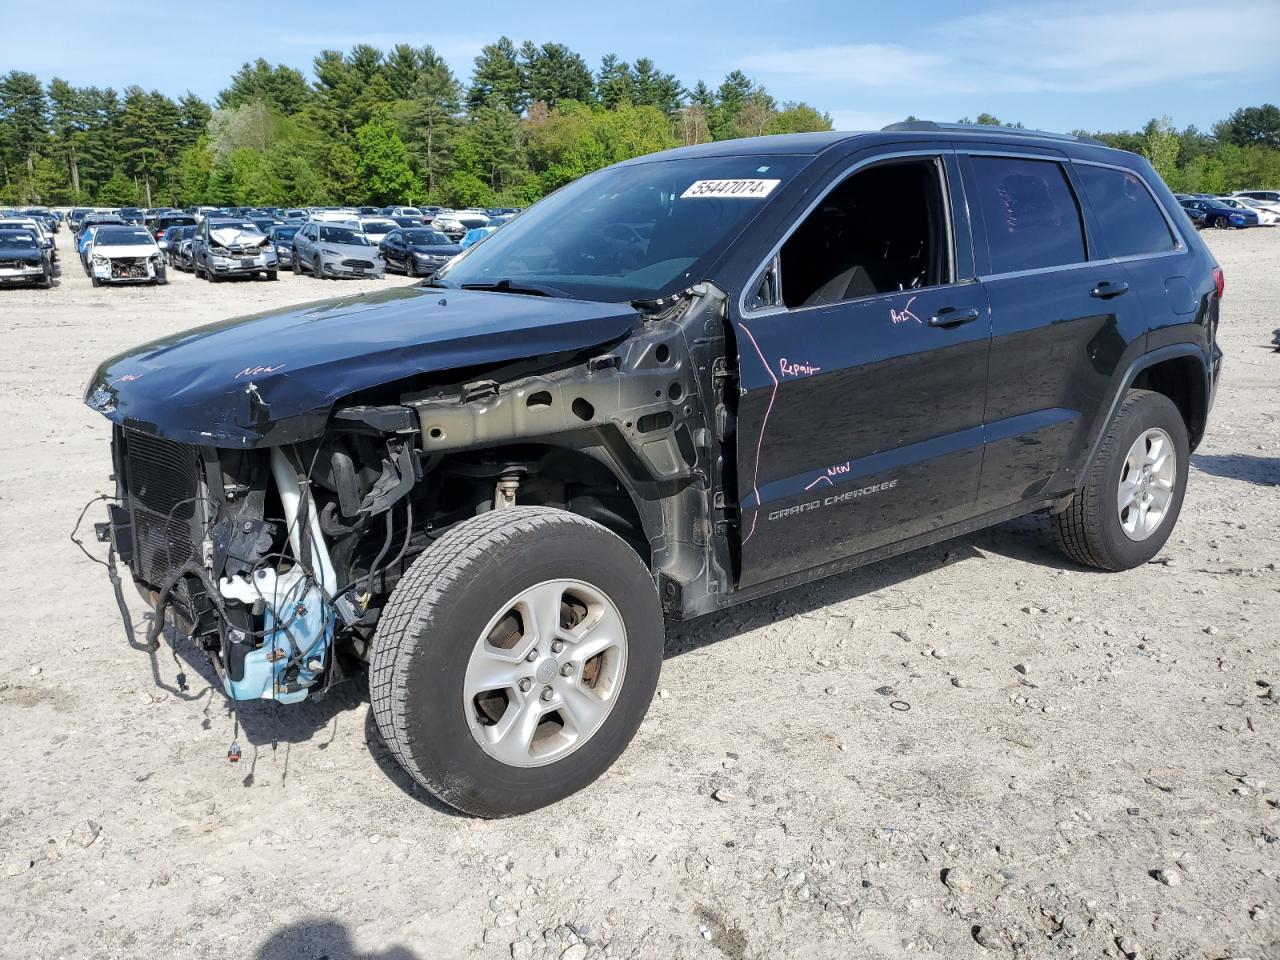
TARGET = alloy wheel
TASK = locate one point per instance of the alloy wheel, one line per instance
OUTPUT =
(1146, 484)
(545, 673)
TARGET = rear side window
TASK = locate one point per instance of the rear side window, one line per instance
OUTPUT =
(1131, 222)
(1031, 215)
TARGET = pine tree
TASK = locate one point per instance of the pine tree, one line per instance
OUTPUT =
(554, 73)
(498, 78)
(614, 82)
(433, 118)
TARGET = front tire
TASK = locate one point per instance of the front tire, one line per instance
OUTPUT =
(515, 659)
(1132, 493)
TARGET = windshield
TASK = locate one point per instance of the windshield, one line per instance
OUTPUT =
(629, 232)
(378, 228)
(343, 235)
(426, 238)
(285, 233)
(16, 240)
(123, 237)
(234, 225)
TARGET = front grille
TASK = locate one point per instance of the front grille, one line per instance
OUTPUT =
(162, 488)
(362, 264)
(16, 264)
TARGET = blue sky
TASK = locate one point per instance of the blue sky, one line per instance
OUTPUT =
(1056, 66)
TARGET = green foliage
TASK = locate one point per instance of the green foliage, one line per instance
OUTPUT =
(1161, 147)
(375, 127)
(118, 191)
(383, 161)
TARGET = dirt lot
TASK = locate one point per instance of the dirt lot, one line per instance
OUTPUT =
(1082, 771)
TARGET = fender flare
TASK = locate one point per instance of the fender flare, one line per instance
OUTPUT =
(1139, 364)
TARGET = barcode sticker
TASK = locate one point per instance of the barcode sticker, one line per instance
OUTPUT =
(743, 189)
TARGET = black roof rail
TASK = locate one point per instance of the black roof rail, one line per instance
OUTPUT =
(903, 125)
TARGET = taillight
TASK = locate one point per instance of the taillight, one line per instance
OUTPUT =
(1219, 281)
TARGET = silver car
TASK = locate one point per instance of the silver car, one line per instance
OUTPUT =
(332, 250)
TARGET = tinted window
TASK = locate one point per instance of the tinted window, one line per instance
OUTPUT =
(1031, 215)
(343, 235)
(1131, 222)
(430, 238)
(628, 232)
(880, 231)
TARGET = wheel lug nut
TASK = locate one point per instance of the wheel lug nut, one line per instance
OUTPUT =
(533, 655)
(525, 685)
(547, 693)
(566, 670)
(556, 646)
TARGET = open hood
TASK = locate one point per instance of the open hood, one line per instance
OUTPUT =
(273, 377)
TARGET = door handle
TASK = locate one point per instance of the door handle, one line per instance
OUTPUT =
(952, 317)
(1106, 290)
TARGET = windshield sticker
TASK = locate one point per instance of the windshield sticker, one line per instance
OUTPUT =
(742, 189)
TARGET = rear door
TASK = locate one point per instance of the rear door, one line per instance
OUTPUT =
(1061, 322)
(863, 362)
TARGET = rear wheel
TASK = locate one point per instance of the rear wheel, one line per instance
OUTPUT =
(1132, 494)
(297, 267)
(516, 659)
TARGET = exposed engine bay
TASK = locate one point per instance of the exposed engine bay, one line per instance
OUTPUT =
(278, 559)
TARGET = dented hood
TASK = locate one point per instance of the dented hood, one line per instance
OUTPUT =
(273, 377)
(236, 236)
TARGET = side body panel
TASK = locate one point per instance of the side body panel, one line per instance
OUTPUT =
(860, 423)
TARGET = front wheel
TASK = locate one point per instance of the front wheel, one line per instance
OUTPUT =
(1132, 493)
(410, 267)
(515, 660)
(1222, 223)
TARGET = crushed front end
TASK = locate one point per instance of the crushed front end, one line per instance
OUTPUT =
(235, 544)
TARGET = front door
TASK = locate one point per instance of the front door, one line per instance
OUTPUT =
(862, 374)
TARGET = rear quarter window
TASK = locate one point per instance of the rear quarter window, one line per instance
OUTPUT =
(1031, 215)
(1131, 222)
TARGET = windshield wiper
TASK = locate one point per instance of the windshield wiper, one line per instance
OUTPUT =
(506, 286)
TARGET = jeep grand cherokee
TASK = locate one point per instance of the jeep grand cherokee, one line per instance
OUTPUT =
(678, 383)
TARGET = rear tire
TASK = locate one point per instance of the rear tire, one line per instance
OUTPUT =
(473, 585)
(1097, 529)
(272, 275)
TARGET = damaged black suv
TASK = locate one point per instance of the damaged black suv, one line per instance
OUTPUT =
(676, 384)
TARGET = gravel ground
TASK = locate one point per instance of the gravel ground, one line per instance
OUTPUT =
(1082, 771)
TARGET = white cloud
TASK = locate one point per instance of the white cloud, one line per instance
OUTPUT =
(1089, 47)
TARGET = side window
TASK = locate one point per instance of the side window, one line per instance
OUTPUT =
(393, 237)
(1031, 215)
(1131, 222)
(882, 230)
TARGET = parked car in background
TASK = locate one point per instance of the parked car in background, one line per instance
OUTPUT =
(97, 218)
(1271, 196)
(1268, 213)
(409, 223)
(455, 224)
(331, 250)
(164, 221)
(417, 251)
(421, 216)
(266, 223)
(281, 237)
(232, 247)
(131, 214)
(375, 228)
(1196, 217)
(180, 249)
(475, 235)
(22, 259)
(125, 254)
(1218, 214)
(36, 225)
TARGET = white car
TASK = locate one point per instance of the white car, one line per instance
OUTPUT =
(125, 254)
(1267, 213)
(375, 228)
(1268, 196)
